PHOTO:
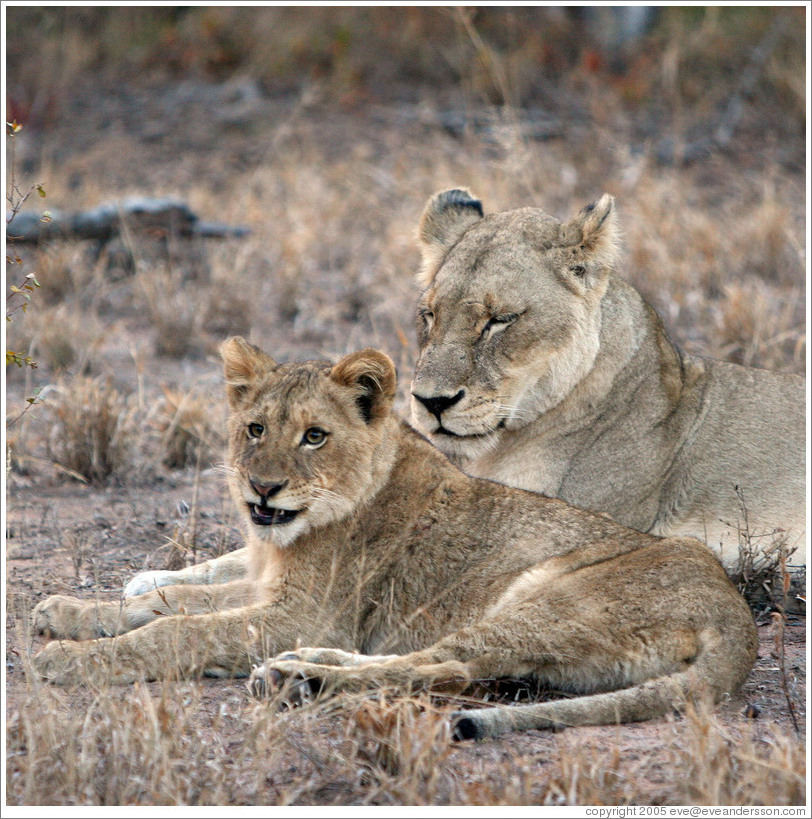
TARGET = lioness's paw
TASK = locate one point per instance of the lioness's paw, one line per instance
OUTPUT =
(149, 581)
(285, 677)
(67, 618)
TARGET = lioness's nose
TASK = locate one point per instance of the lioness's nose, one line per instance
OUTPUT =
(266, 490)
(438, 404)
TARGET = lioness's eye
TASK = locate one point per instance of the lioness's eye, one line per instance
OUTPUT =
(314, 437)
(255, 430)
(497, 323)
(428, 318)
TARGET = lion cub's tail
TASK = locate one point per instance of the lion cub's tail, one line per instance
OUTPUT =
(720, 668)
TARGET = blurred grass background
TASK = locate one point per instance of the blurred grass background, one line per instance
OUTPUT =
(324, 130)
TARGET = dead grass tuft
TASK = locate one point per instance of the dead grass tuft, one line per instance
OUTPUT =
(398, 746)
(761, 571)
(66, 340)
(720, 767)
(93, 432)
(757, 328)
(583, 777)
(174, 312)
(124, 748)
(190, 426)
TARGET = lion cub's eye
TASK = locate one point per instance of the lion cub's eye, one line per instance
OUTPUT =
(255, 430)
(428, 319)
(314, 437)
(497, 323)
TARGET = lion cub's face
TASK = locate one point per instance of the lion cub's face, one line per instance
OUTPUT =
(509, 319)
(306, 441)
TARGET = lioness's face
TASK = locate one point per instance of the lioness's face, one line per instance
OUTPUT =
(508, 322)
(303, 438)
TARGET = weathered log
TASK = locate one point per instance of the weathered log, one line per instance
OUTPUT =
(156, 217)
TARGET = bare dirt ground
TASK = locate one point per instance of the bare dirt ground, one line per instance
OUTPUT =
(332, 193)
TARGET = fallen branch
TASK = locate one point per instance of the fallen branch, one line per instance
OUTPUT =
(155, 216)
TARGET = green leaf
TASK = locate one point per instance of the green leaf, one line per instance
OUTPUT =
(41, 191)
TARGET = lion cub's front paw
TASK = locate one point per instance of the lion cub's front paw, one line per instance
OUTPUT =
(67, 618)
(62, 663)
(285, 677)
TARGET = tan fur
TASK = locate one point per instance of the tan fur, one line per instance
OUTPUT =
(578, 393)
(409, 573)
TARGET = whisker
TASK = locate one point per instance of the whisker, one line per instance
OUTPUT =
(512, 411)
(224, 469)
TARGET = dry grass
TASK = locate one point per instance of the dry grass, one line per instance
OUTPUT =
(92, 430)
(762, 571)
(120, 750)
(174, 313)
(176, 744)
(190, 427)
(721, 767)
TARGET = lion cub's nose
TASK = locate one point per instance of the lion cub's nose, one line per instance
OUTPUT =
(266, 490)
(438, 404)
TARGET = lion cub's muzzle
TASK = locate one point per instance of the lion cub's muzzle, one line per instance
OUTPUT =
(262, 513)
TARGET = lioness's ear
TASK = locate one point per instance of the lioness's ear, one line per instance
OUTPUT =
(243, 364)
(445, 218)
(594, 232)
(371, 374)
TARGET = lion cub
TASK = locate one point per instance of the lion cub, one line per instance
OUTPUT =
(541, 368)
(362, 537)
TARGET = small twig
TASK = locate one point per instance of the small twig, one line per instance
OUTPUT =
(778, 625)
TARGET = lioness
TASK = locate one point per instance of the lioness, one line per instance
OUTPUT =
(363, 537)
(540, 368)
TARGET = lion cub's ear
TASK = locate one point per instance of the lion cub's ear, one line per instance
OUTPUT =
(593, 233)
(243, 365)
(371, 375)
(445, 218)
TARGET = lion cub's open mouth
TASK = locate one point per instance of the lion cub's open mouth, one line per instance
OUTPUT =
(269, 516)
